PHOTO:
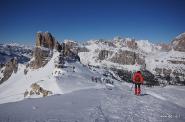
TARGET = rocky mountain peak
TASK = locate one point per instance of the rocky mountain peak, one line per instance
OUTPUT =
(45, 39)
(178, 43)
(42, 53)
(182, 35)
(132, 44)
(10, 67)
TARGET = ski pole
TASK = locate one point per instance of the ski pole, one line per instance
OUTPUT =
(144, 89)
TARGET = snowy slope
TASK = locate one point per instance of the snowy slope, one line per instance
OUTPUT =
(100, 105)
(13, 89)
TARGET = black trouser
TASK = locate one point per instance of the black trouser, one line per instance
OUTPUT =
(137, 85)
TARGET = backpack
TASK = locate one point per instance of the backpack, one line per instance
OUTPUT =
(137, 79)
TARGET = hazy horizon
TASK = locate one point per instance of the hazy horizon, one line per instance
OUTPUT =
(32, 42)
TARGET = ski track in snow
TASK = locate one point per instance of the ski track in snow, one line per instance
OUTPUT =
(156, 95)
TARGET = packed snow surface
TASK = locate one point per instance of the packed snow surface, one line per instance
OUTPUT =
(101, 105)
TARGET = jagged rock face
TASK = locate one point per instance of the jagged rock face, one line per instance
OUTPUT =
(171, 76)
(71, 44)
(45, 43)
(69, 54)
(82, 49)
(124, 75)
(132, 44)
(41, 57)
(10, 67)
(167, 72)
(122, 57)
(8, 62)
(45, 39)
(58, 46)
(66, 49)
(158, 71)
(149, 78)
(42, 53)
(127, 58)
(178, 43)
(103, 54)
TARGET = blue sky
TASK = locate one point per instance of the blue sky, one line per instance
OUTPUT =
(81, 20)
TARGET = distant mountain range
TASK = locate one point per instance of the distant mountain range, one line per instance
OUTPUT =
(161, 64)
(21, 52)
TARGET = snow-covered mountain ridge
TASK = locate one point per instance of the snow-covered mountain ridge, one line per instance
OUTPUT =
(119, 57)
(53, 69)
(22, 52)
(86, 82)
(130, 54)
(125, 54)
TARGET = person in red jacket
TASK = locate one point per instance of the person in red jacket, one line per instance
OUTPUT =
(138, 80)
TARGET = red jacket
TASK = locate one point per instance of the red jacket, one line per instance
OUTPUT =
(138, 78)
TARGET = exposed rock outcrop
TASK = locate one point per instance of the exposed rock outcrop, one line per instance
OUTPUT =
(149, 78)
(41, 57)
(45, 39)
(131, 44)
(45, 43)
(10, 67)
(127, 58)
(58, 46)
(167, 72)
(68, 53)
(158, 71)
(70, 44)
(178, 43)
(103, 54)
(123, 74)
(176, 76)
(37, 90)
